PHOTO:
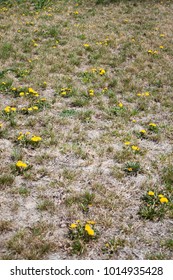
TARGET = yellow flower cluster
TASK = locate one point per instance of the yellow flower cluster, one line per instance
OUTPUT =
(36, 139)
(89, 230)
(65, 91)
(32, 92)
(32, 139)
(30, 109)
(152, 52)
(162, 198)
(100, 71)
(152, 125)
(91, 92)
(133, 147)
(9, 109)
(87, 227)
(21, 164)
(143, 94)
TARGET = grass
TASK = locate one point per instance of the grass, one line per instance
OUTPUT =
(86, 128)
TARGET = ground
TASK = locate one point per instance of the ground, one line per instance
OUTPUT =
(86, 129)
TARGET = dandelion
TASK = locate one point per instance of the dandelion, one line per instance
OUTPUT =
(72, 226)
(36, 138)
(21, 164)
(151, 193)
(160, 195)
(162, 35)
(143, 131)
(89, 230)
(35, 107)
(134, 121)
(30, 109)
(1, 125)
(91, 92)
(161, 47)
(91, 222)
(86, 45)
(129, 169)
(146, 93)
(127, 143)
(76, 13)
(135, 148)
(22, 93)
(163, 200)
(152, 125)
(102, 72)
(64, 93)
(120, 105)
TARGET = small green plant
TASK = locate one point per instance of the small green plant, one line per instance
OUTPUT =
(46, 205)
(113, 245)
(6, 180)
(68, 113)
(154, 206)
(81, 234)
(132, 168)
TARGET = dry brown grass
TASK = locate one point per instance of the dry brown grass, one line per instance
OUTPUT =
(79, 170)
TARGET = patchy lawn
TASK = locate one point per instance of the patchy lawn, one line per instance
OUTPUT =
(86, 129)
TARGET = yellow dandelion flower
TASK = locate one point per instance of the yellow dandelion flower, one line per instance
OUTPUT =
(86, 45)
(127, 143)
(7, 109)
(1, 125)
(20, 137)
(152, 124)
(22, 93)
(30, 109)
(130, 169)
(63, 93)
(143, 131)
(151, 193)
(135, 148)
(89, 230)
(35, 107)
(13, 109)
(73, 226)
(163, 200)
(91, 92)
(21, 164)
(146, 93)
(161, 47)
(102, 71)
(36, 138)
(91, 222)
(160, 195)
(120, 105)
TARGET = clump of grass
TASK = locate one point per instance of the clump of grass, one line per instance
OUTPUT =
(81, 233)
(46, 205)
(132, 168)
(112, 246)
(6, 180)
(5, 225)
(154, 206)
(83, 200)
(30, 243)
